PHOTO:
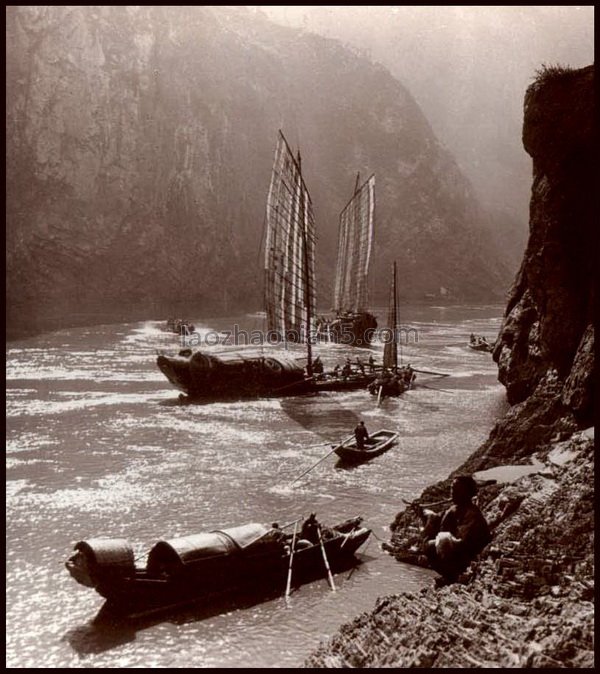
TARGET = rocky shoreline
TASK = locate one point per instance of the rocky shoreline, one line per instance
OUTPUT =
(527, 600)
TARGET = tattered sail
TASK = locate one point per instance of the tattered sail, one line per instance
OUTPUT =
(354, 250)
(289, 249)
(390, 349)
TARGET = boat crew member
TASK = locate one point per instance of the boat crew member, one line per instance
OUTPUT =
(473, 340)
(317, 366)
(453, 541)
(371, 364)
(361, 434)
(309, 529)
(336, 371)
(347, 369)
(361, 367)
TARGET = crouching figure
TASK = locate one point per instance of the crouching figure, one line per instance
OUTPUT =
(452, 541)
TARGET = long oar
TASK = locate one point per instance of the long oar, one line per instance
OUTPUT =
(295, 383)
(329, 574)
(427, 505)
(289, 578)
(439, 374)
(433, 388)
(379, 396)
(315, 465)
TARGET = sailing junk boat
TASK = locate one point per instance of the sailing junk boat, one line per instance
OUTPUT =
(353, 324)
(394, 379)
(289, 301)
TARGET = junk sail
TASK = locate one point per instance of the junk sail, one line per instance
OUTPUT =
(394, 378)
(354, 249)
(353, 323)
(289, 249)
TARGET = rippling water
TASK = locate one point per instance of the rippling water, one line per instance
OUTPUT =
(96, 445)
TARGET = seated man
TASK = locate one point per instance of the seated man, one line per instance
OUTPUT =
(454, 540)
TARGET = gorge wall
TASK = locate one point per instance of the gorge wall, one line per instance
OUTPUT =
(139, 147)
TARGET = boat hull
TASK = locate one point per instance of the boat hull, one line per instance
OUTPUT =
(355, 330)
(382, 441)
(143, 594)
(486, 348)
(205, 378)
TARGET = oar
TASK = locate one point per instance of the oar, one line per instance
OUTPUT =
(439, 374)
(321, 444)
(379, 396)
(316, 464)
(427, 505)
(295, 383)
(441, 390)
(289, 578)
(329, 575)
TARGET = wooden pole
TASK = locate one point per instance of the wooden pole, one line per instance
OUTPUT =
(433, 388)
(379, 396)
(316, 464)
(439, 374)
(289, 578)
(329, 574)
(295, 383)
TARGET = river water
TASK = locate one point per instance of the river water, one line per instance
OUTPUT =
(97, 445)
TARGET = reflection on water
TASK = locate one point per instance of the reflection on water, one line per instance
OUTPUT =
(98, 445)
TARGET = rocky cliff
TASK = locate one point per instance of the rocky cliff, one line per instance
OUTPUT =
(139, 148)
(528, 598)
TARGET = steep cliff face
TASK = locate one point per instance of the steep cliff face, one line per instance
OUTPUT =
(139, 147)
(548, 321)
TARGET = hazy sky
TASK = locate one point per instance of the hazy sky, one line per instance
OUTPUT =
(468, 68)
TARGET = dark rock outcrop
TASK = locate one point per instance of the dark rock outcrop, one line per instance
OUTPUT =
(139, 148)
(550, 305)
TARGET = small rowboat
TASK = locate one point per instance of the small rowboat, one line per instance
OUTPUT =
(377, 443)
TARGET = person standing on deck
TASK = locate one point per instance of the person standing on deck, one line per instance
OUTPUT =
(361, 367)
(361, 434)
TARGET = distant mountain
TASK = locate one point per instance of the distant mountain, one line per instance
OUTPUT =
(139, 147)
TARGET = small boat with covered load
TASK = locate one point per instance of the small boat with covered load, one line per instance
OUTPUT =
(204, 566)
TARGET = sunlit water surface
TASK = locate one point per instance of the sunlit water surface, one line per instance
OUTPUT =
(97, 445)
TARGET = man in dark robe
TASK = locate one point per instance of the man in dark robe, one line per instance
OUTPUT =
(361, 434)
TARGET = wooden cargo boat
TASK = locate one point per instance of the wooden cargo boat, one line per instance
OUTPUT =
(290, 297)
(377, 443)
(205, 566)
(246, 374)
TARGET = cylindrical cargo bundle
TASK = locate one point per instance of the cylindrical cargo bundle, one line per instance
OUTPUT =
(99, 559)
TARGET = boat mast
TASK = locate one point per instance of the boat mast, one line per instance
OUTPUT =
(390, 350)
(307, 288)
